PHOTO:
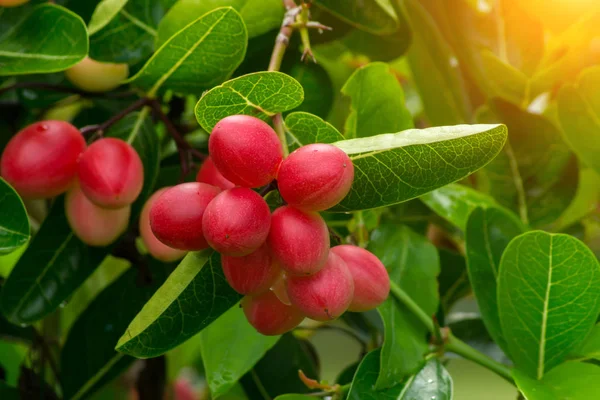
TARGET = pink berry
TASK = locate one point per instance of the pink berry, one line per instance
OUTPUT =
(111, 173)
(236, 222)
(299, 240)
(251, 274)
(41, 160)
(315, 177)
(245, 150)
(269, 316)
(176, 215)
(208, 173)
(371, 279)
(325, 295)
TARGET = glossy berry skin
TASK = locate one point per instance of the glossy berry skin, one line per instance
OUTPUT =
(269, 316)
(41, 160)
(315, 177)
(111, 173)
(97, 77)
(245, 150)
(236, 222)
(208, 173)
(95, 226)
(371, 279)
(299, 240)
(155, 247)
(325, 295)
(251, 274)
(12, 3)
(176, 215)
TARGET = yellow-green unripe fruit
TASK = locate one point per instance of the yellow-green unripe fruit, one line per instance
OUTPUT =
(96, 76)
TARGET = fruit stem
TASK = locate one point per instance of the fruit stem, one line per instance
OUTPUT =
(91, 129)
(280, 129)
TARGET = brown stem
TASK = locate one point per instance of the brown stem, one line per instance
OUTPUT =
(91, 129)
(61, 89)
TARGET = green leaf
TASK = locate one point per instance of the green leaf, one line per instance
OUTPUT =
(430, 382)
(571, 380)
(201, 55)
(453, 279)
(260, 16)
(193, 296)
(374, 114)
(105, 11)
(11, 332)
(41, 39)
(98, 328)
(295, 397)
(590, 347)
(579, 113)
(316, 84)
(373, 16)
(413, 263)
(303, 128)
(261, 94)
(14, 222)
(488, 232)
(230, 347)
(393, 168)
(54, 265)
(548, 298)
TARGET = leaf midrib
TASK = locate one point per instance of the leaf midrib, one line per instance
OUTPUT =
(542, 348)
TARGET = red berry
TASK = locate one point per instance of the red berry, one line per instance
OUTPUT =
(41, 160)
(246, 150)
(325, 295)
(250, 274)
(155, 247)
(111, 173)
(315, 177)
(95, 226)
(208, 173)
(371, 279)
(299, 240)
(269, 316)
(236, 222)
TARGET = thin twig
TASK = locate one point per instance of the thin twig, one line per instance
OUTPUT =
(100, 128)
(61, 89)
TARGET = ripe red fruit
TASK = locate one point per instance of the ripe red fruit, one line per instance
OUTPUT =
(325, 295)
(176, 215)
(371, 279)
(95, 226)
(236, 222)
(41, 160)
(246, 150)
(315, 177)
(251, 274)
(111, 173)
(269, 316)
(299, 240)
(208, 173)
(155, 247)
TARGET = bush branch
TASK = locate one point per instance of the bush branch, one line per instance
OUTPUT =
(91, 129)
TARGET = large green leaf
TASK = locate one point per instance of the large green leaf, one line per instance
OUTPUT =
(430, 382)
(230, 348)
(488, 232)
(55, 263)
(548, 298)
(371, 115)
(579, 112)
(303, 128)
(41, 39)
(375, 16)
(105, 11)
(193, 296)
(14, 223)
(590, 347)
(199, 56)
(413, 263)
(392, 168)
(261, 94)
(260, 16)
(98, 328)
(571, 380)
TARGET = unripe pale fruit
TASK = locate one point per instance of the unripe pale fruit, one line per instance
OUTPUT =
(299, 240)
(95, 226)
(155, 247)
(371, 279)
(176, 215)
(111, 173)
(41, 160)
(315, 177)
(325, 295)
(95, 76)
(208, 173)
(269, 316)
(251, 274)
(245, 150)
(236, 222)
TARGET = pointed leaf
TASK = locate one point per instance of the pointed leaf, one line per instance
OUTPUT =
(303, 128)
(14, 222)
(571, 380)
